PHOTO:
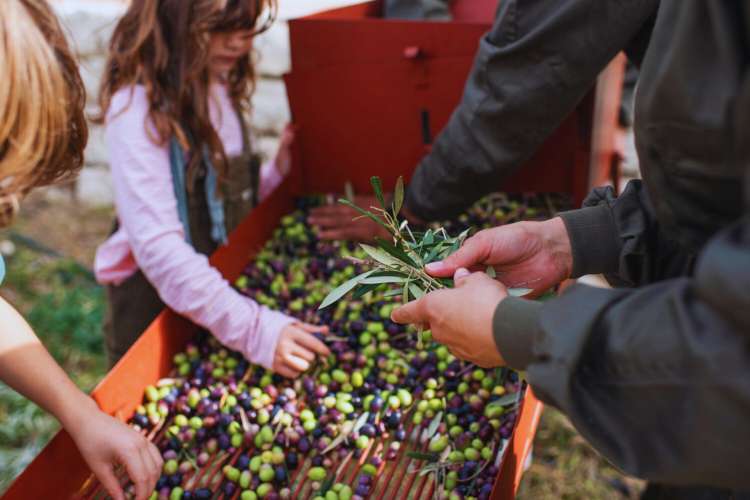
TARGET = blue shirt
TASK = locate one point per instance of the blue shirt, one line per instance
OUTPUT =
(2, 269)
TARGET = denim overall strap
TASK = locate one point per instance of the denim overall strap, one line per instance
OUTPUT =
(177, 165)
(215, 204)
(213, 201)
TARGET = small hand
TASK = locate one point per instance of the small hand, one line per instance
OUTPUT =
(297, 349)
(534, 255)
(284, 153)
(460, 318)
(105, 442)
(336, 222)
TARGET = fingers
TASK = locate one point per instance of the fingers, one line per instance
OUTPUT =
(296, 363)
(461, 274)
(157, 458)
(308, 356)
(107, 477)
(414, 312)
(475, 251)
(333, 234)
(153, 465)
(309, 342)
(138, 472)
(312, 328)
(287, 372)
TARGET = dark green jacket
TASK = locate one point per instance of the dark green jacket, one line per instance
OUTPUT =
(434, 10)
(655, 374)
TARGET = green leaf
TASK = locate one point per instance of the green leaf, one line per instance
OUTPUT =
(429, 237)
(432, 429)
(398, 196)
(379, 280)
(363, 290)
(396, 252)
(362, 420)
(349, 191)
(365, 213)
(416, 292)
(392, 293)
(405, 295)
(381, 256)
(506, 400)
(377, 186)
(491, 272)
(519, 292)
(343, 289)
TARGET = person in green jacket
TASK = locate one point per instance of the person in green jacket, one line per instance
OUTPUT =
(432, 10)
(655, 372)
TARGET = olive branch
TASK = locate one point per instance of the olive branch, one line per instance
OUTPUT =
(402, 260)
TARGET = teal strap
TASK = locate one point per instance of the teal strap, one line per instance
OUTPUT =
(214, 203)
(177, 165)
(2, 269)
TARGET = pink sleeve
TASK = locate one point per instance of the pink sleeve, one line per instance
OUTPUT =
(270, 178)
(185, 281)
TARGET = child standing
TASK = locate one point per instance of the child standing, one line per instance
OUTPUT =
(42, 136)
(176, 86)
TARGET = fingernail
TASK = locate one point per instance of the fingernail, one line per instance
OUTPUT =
(461, 273)
(434, 266)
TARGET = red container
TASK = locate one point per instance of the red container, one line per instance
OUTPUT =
(358, 91)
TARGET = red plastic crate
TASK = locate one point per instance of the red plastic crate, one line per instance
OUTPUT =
(356, 111)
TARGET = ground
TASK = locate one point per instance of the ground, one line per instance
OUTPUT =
(58, 295)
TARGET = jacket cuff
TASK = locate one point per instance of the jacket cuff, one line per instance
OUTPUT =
(515, 325)
(594, 240)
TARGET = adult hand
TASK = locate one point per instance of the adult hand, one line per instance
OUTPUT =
(297, 349)
(106, 442)
(534, 255)
(461, 317)
(337, 221)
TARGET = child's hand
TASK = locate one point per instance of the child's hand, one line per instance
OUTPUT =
(284, 153)
(106, 442)
(297, 348)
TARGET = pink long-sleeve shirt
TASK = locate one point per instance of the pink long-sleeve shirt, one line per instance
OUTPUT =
(151, 238)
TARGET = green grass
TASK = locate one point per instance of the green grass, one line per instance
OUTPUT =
(65, 307)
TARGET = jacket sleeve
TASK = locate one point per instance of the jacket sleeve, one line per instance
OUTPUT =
(630, 250)
(531, 70)
(656, 378)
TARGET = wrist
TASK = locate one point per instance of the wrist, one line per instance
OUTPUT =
(74, 409)
(557, 242)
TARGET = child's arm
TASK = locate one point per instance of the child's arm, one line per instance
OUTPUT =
(104, 442)
(273, 172)
(184, 279)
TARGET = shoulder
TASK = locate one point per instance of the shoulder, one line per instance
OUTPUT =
(127, 102)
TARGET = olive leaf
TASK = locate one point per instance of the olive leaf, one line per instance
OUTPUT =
(343, 289)
(377, 186)
(398, 196)
(400, 260)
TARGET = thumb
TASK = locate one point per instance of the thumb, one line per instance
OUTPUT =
(107, 477)
(473, 252)
(460, 276)
(413, 312)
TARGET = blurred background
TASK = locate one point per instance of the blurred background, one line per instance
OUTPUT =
(50, 252)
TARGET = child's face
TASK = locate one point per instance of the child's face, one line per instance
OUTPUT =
(226, 48)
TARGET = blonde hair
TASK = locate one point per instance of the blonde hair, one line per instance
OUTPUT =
(43, 129)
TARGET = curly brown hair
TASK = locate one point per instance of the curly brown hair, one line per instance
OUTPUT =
(43, 129)
(163, 45)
